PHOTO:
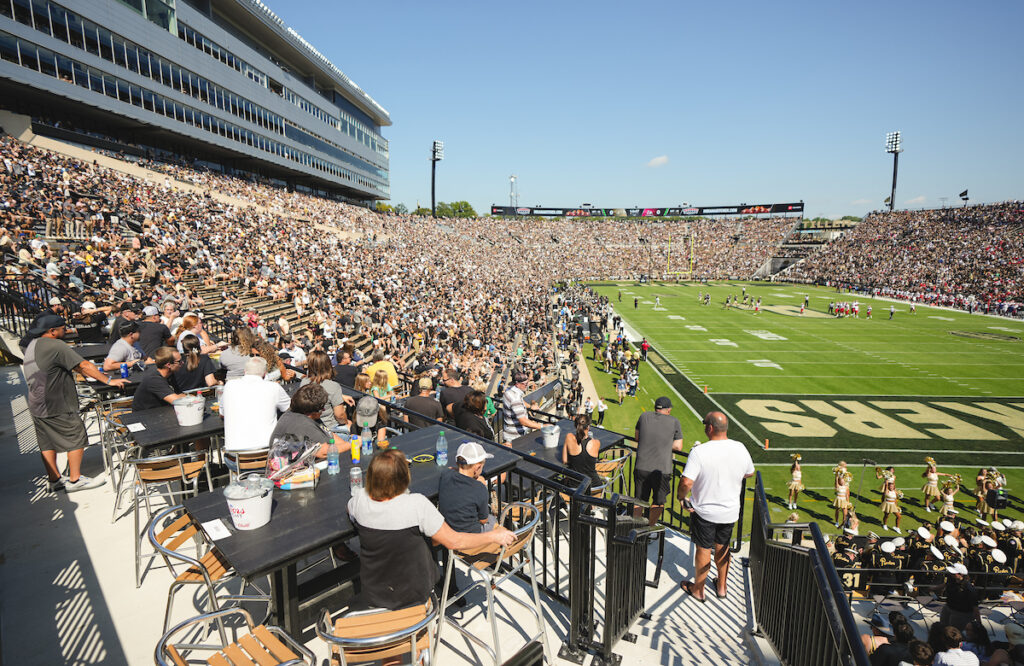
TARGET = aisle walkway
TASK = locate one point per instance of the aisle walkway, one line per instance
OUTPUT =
(69, 595)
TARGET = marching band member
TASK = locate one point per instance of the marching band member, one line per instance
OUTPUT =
(795, 484)
(890, 506)
(931, 486)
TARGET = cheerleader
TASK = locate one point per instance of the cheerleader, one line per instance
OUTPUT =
(886, 475)
(949, 491)
(840, 469)
(989, 513)
(842, 500)
(890, 506)
(979, 492)
(931, 487)
(795, 484)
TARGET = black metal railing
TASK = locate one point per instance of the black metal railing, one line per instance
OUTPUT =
(22, 297)
(624, 581)
(554, 489)
(799, 604)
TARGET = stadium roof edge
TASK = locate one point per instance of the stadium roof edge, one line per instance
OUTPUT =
(271, 20)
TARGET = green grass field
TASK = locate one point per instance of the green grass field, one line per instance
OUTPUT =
(937, 382)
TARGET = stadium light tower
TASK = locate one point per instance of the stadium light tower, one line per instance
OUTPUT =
(513, 193)
(436, 155)
(894, 146)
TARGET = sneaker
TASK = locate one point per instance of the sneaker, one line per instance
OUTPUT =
(885, 527)
(928, 509)
(83, 483)
(897, 530)
(54, 486)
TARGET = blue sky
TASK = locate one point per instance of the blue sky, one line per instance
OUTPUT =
(744, 102)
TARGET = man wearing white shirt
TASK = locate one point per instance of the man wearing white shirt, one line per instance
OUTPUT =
(714, 473)
(250, 406)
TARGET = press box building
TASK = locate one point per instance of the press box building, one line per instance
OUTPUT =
(222, 81)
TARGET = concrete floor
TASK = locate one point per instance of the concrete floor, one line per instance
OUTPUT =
(69, 597)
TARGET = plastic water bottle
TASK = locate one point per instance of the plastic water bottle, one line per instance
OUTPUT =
(333, 457)
(355, 478)
(442, 450)
(367, 438)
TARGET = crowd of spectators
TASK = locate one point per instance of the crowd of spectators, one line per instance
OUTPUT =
(970, 258)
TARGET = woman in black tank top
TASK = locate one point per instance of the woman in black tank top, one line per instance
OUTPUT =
(580, 451)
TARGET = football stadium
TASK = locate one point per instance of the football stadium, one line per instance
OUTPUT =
(257, 410)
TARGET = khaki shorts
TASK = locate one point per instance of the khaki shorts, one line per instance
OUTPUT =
(62, 433)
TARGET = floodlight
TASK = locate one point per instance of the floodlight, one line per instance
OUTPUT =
(893, 142)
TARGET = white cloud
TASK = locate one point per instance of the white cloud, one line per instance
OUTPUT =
(915, 200)
(860, 202)
(659, 161)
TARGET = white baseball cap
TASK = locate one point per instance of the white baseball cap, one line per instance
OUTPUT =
(88, 305)
(472, 453)
(54, 301)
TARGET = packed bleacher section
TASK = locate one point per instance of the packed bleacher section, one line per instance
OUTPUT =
(970, 258)
(415, 282)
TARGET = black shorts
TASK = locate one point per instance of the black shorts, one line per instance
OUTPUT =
(706, 534)
(654, 484)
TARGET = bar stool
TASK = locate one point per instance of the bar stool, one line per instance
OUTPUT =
(489, 567)
(264, 645)
(154, 479)
(176, 528)
(378, 634)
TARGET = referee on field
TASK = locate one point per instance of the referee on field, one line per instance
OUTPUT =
(53, 402)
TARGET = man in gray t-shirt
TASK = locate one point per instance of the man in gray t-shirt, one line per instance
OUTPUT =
(658, 434)
(53, 402)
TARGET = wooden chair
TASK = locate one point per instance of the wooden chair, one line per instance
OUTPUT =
(263, 645)
(610, 467)
(204, 569)
(242, 462)
(379, 634)
(156, 478)
(489, 567)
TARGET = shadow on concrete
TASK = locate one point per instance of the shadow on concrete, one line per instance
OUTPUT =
(53, 609)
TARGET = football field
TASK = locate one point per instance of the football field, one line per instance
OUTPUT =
(936, 382)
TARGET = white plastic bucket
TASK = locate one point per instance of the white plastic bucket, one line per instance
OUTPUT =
(550, 435)
(189, 410)
(250, 507)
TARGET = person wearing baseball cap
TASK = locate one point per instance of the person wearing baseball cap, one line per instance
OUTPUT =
(658, 434)
(961, 598)
(126, 312)
(424, 405)
(89, 322)
(53, 402)
(462, 496)
(152, 334)
(517, 421)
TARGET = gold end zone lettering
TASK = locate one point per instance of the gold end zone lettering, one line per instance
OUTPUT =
(991, 411)
(785, 418)
(861, 419)
(916, 412)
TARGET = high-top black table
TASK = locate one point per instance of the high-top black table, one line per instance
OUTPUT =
(532, 444)
(162, 429)
(303, 522)
(92, 351)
